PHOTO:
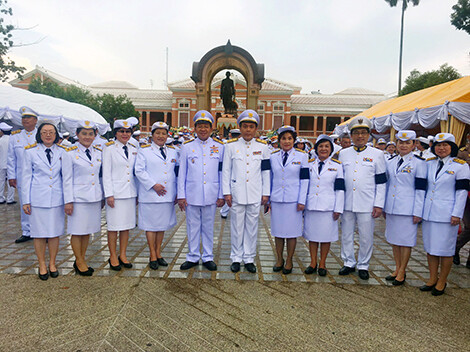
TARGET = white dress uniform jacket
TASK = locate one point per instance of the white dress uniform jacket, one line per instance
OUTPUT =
(81, 176)
(18, 140)
(99, 142)
(447, 193)
(41, 181)
(406, 186)
(326, 190)
(118, 170)
(200, 171)
(4, 142)
(246, 174)
(365, 178)
(292, 182)
(151, 168)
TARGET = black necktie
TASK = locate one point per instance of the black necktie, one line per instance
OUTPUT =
(441, 164)
(162, 150)
(284, 159)
(421, 153)
(87, 152)
(48, 154)
(125, 151)
(399, 163)
(320, 166)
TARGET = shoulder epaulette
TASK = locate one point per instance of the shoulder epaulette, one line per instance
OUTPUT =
(189, 141)
(311, 160)
(276, 151)
(300, 150)
(97, 148)
(103, 138)
(170, 146)
(232, 140)
(261, 141)
(131, 144)
(109, 143)
(462, 149)
(218, 140)
(15, 132)
(145, 145)
(419, 157)
(456, 160)
(71, 148)
(335, 160)
(29, 146)
(60, 145)
(433, 158)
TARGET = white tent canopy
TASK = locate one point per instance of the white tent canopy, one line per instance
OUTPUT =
(62, 111)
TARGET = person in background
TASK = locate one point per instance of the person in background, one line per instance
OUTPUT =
(42, 196)
(156, 169)
(4, 142)
(289, 184)
(381, 144)
(390, 150)
(422, 148)
(19, 139)
(83, 195)
(406, 188)
(448, 186)
(345, 141)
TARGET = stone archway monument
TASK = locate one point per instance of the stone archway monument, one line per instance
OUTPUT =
(232, 58)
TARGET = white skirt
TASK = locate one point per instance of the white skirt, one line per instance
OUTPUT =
(286, 221)
(122, 216)
(400, 230)
(439, 238)
(320, 226)
(157, 216)
(85, 219)
(47, 222)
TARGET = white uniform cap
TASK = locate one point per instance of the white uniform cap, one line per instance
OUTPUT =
(360, 122)
(66, 134)
(285, 128)
(181, 140)
(86, 124)
(391, 143)
(136, 133)
(169, 140)
(127, 123)
(203, 116)
(5, 127)
(334, 136)
(235, 130)
(406, 135)
(323, 137)
(25, 111)
(444, 137)
(248, 116)
(423, 140)
(430, 138)
(160, 124)
(381, 141)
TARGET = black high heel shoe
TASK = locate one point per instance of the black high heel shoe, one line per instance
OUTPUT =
(395, 282)
(113, 267)
(89, 272)
(436, 292)
(277, 269)
(43, 277)
(125, 265)
(54, 274)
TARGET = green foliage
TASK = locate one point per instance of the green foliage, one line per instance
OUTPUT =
(417, 80)
(460, 18)
(109, 106)
(394, 3)
(7, 66)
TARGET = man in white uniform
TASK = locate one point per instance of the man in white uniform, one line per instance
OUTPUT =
(4, 141)
(19, 139)
(246, 186)
(365, 178)
(234, 133)
(200, 190)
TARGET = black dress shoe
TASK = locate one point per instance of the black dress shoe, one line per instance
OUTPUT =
(286, 271)
(125, 265)
(364, 274)
(398, 283)
(468, 264)
(162, 262)
(310, 270)
(426, 288)
(114, 267)
(89, 272)
(153, 264)
(223, 217)
(188, 265)
(54, 274)
(390, 278)
(277, 269)
(322, 271)
(251, 267)
(456, 259)
(346, 270)
(23, 238)
(235, 267)
(43, 277)
(11, 203)
(210, 265)
(3, 202)
(436, 292)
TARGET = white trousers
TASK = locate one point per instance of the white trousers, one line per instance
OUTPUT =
(10, 190)
(244, 231)
(200, 225)
(24, 218)
(365, 225)
(224, 210)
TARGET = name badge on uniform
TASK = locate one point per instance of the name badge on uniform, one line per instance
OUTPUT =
(214, 150)
(407, 170)
(296, 163)
(257, 152)
(332, 169)
(173, 161)
(450, 172)
(369, 160)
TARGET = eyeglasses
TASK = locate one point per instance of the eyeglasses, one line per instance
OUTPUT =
(44, 133)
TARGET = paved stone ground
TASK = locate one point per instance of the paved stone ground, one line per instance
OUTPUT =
(221, 311)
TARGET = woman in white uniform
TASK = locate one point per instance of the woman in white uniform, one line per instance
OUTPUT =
(406, 188)
(448, 186)
(325, 203)
(120, 191)
(83, 195)
(156, 169)
(289, 183)
(43, 195)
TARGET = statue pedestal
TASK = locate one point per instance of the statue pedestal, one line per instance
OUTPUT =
(225, 123)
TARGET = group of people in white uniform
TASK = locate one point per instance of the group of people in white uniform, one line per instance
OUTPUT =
(306, 197)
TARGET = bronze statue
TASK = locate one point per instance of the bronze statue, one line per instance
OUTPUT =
(227, 94)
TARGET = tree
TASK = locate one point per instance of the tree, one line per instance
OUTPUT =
(417, 80)
(107, 105)
(7, 66)
(460, 18)
(404, 6)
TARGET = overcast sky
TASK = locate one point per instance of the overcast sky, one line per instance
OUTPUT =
(316, 44)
